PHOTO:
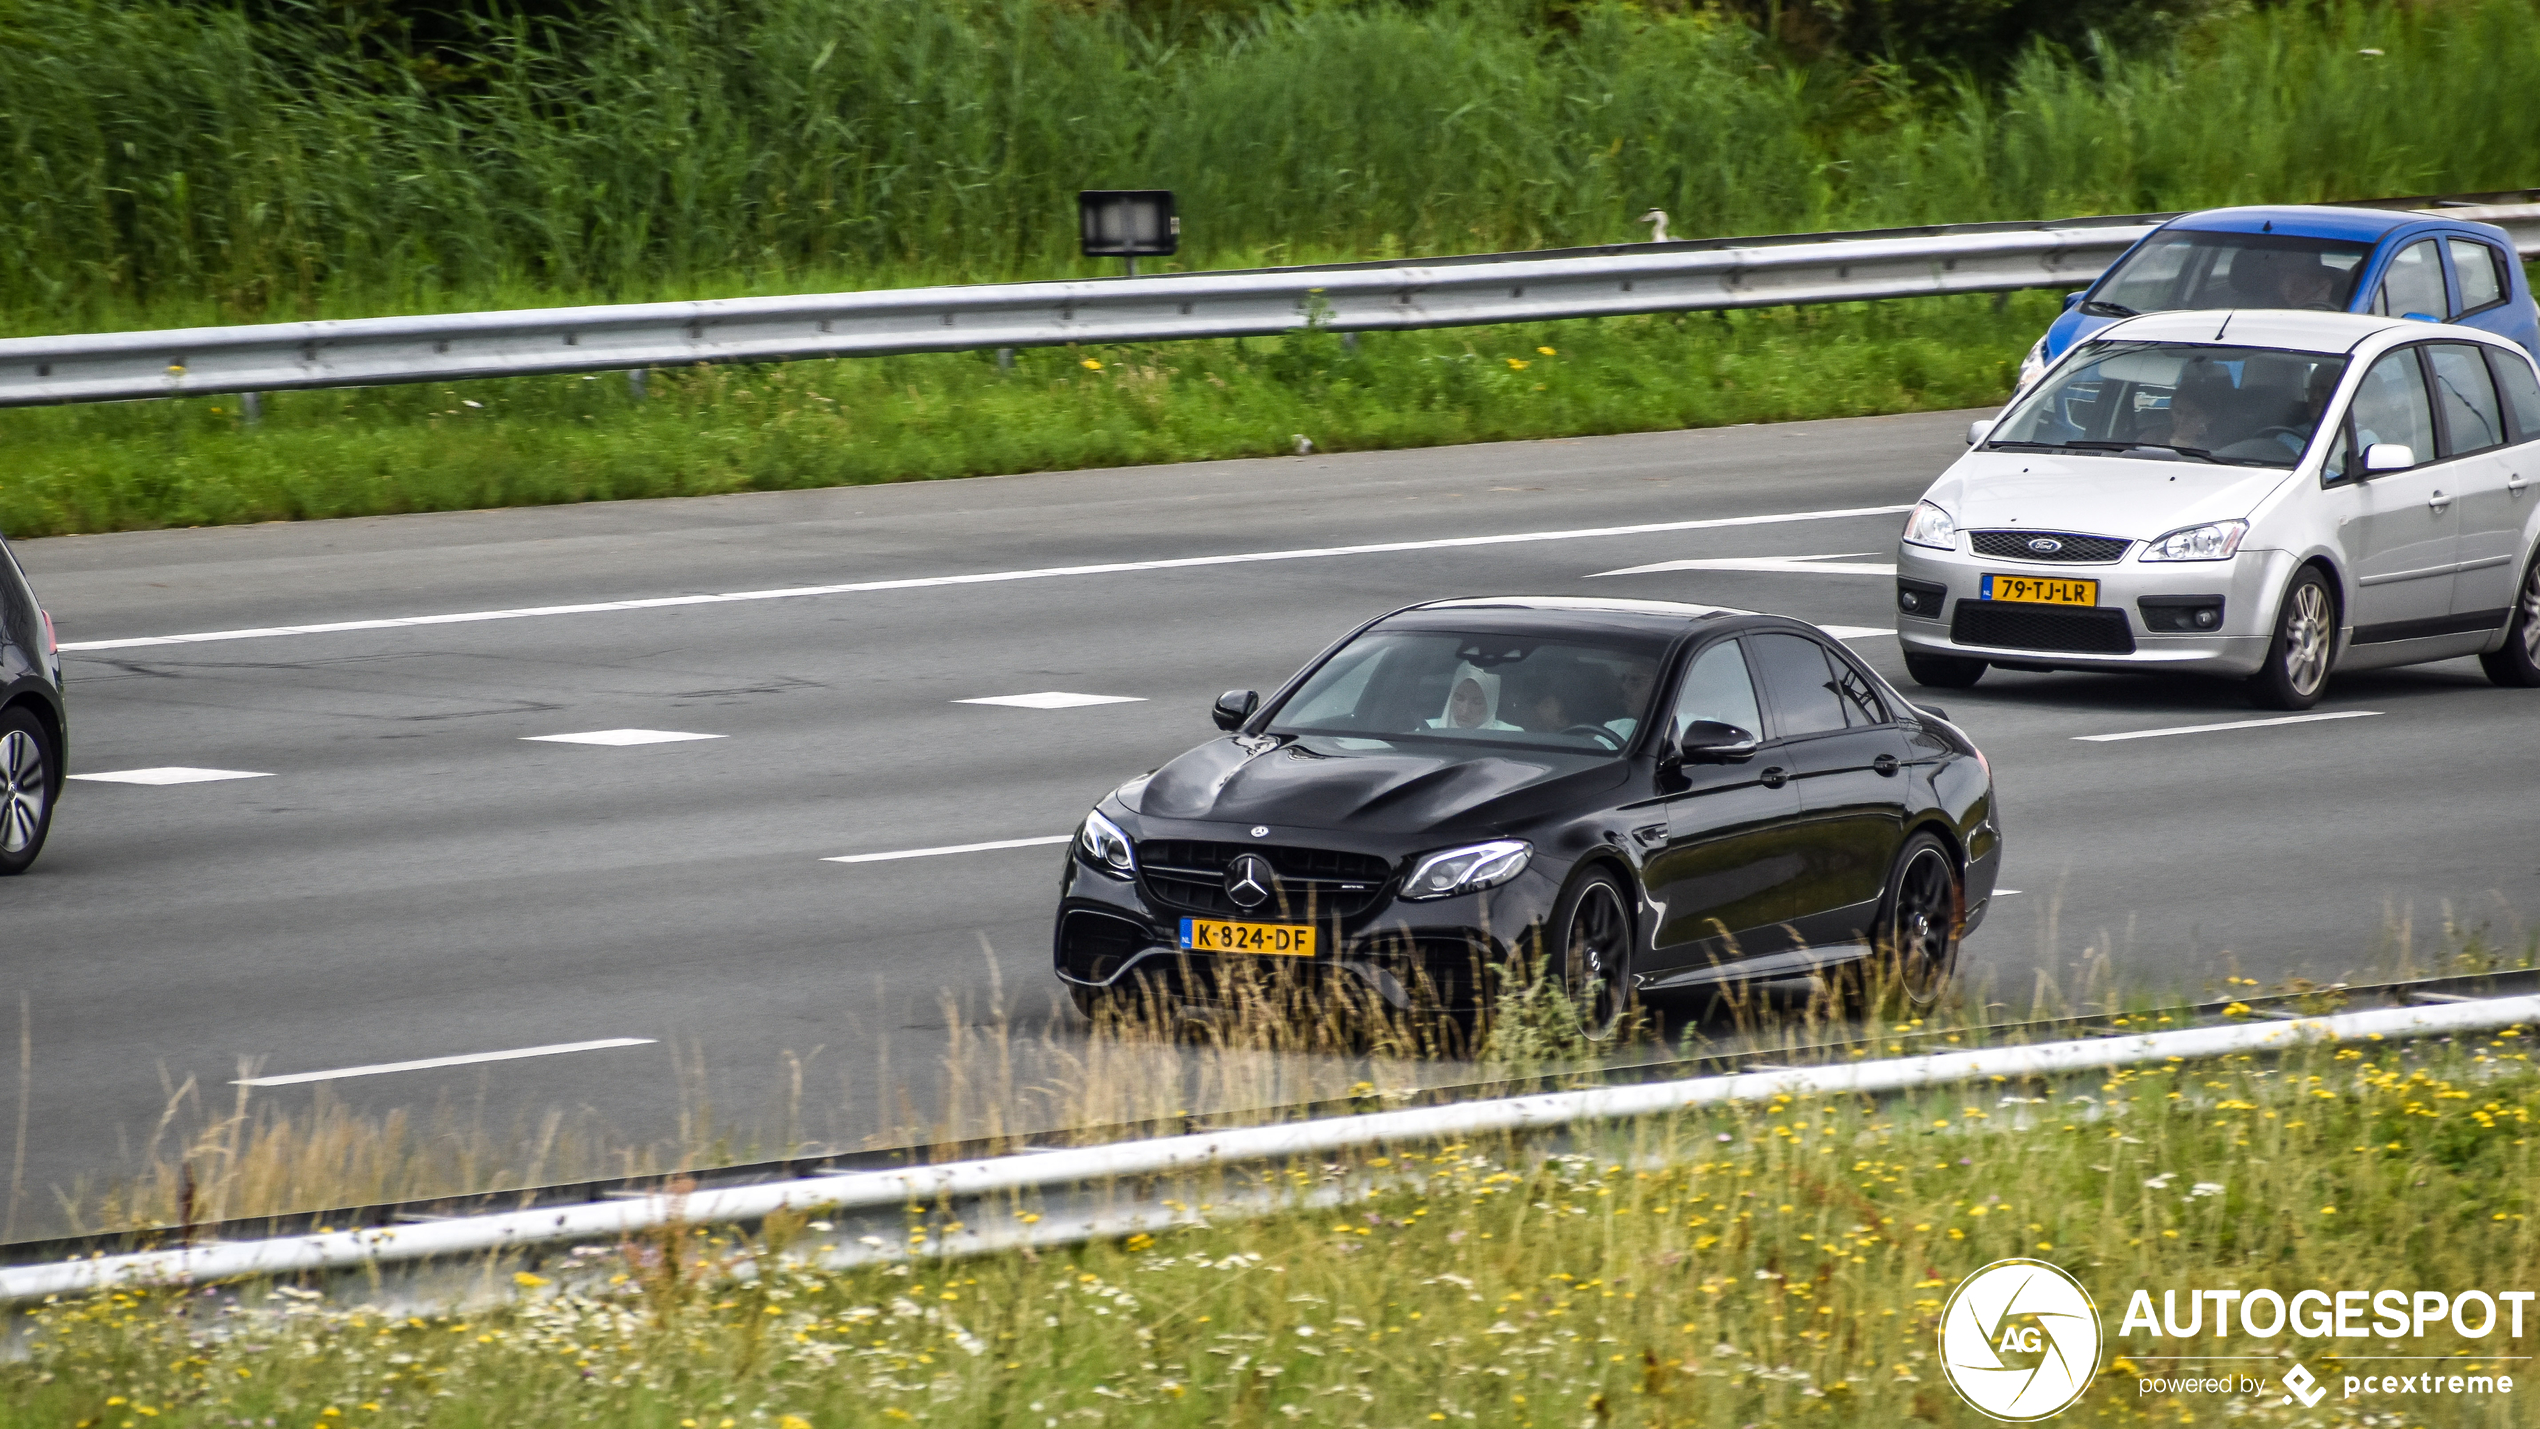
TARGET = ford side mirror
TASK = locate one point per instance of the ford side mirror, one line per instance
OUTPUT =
(1977, 431)
(1708, 741)
(1233, 708)
(2388, 456)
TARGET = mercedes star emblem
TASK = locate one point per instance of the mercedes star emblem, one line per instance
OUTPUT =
(2045, 545)
(1248, 881)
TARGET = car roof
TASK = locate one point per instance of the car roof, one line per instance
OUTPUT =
(1672, 611)
(2356, 225)
(2301, 331)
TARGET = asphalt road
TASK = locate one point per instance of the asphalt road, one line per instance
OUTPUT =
(417, 875)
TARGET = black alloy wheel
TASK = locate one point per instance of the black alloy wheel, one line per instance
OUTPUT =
(1943, 672)
(2296, 671)
(27, 786)
(1919, 922)
(1596, 956)
(2517, 665)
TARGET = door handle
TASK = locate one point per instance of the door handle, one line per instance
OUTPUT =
(1774, 777)
(1885, 764)
(2514, 483)
(2438, 501)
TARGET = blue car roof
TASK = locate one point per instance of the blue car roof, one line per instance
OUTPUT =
(2359, 225)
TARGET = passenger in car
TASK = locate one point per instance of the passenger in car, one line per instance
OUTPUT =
(1473, 702)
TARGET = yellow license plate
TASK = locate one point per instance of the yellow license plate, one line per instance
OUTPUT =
(1278, 940)
(2040, 590)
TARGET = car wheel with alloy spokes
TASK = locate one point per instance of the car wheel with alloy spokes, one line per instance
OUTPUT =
(2296, 670)
(1919, 920)
(2518, 663)
(1595, 950)
(28, 782)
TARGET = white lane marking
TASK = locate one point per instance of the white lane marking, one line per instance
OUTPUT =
(1054, 700)
(948, 848)
(1856, 632)
(1843, 565)
(469, 617)
(2007, 892)
(2229, 724)
(173, 774)
(618, 738)
(425, 1064)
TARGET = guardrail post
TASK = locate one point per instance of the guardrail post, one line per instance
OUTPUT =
(1005, 359)
(635, 383)
(251, 405)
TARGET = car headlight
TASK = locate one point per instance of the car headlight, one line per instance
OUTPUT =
(1105, 847)
(1931, 526)
(1469, 869)
(2213, 541)
(2032, 367)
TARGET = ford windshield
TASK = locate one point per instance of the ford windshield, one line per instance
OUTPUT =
(2234, 406)
(2179, 269)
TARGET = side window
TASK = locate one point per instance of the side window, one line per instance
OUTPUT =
(2467, 396)
(1799, 684)
(1718, 687)
(1861, 703)
(2413, 284)
(2522, 393)
(2481, 277)
(2390, 406)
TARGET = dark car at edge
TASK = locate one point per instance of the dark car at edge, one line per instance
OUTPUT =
(34, 728)
(1650, 796)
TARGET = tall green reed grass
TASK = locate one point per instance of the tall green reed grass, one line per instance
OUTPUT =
(173, 163)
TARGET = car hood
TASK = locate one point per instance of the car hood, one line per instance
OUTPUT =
(1368, 786)
(2099, 496)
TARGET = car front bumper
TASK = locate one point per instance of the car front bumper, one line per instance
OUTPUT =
(1948, 614)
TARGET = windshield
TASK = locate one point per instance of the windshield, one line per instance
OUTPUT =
(2181, 269)
(2239, 406)
(1478, 686)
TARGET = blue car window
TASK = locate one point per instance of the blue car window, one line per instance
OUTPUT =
(2390, 407)
(2522, 393)
(2413, 287)
(2482, 280)
(2182, 268)
(2471, 418)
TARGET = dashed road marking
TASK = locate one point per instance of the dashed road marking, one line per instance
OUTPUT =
(172, 774)
(469, 617)
(2227, 724)
(1844, 565)
(948, 848)
(1054, 700)
(619, 738)
(427, 1063)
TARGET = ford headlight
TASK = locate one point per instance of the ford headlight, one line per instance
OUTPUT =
(1931, 526)
(2032, 367)
(1102, 844)
(1469, 869)
(2213, 541)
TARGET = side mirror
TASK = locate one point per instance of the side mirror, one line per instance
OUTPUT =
(1935, 711)
(1233, 708)
(2388, 456)
(2073, 300)
(1977, 431)
(1708, 741)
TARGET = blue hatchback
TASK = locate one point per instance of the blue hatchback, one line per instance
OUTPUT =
(2397, 263)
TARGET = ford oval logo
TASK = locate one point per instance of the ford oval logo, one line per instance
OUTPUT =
(2045, 545)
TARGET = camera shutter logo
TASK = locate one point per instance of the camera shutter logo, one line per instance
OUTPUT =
(2019, 1340)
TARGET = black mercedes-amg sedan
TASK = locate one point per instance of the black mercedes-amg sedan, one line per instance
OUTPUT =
(1645, 795)
(33, 728)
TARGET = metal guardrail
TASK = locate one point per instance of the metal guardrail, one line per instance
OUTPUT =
(1027, 1178)
(1496, 288)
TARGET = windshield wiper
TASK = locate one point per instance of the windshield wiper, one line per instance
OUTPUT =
(2197, 452)
(2102, 308)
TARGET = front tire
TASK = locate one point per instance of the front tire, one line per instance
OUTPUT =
(2517, 665)
(2296, 672)
(1919, 920)
(1596, 956)
(30, 777)
(1943, 672)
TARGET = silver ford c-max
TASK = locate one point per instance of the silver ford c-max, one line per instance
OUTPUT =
(2270, 496)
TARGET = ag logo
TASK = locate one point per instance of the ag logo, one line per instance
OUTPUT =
(2019, 1340)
